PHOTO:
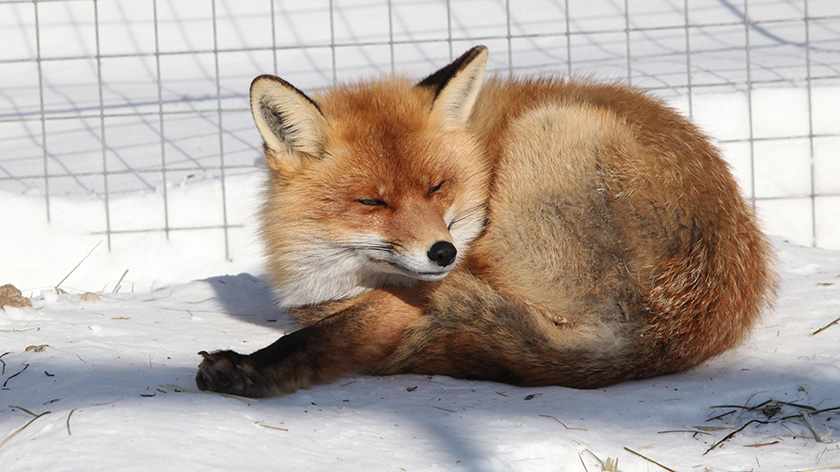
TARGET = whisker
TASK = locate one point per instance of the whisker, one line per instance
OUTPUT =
(354, 246)
(468, 215)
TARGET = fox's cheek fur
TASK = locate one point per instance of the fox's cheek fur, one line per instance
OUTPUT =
(465, 223)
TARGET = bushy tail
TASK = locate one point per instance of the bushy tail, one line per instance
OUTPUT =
(705, 301)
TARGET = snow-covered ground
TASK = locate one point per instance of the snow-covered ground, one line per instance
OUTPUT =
(115, 374)
(112, 379)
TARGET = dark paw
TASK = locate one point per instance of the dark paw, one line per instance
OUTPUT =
(229, 372)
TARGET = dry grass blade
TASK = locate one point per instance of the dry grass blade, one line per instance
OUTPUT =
(68, 422)
(77, 265)
(15, 407)
(444, 409)
(270, 427)
(24, 426)
(743, 407)
(564, 424)
(648, 459)
(692, 431)
(583, 463)
(3, 362)
(609, 465)
(821, 435)
(714, 428)
(119, 282)
(828, 467)
(25, 366)
(762, 444)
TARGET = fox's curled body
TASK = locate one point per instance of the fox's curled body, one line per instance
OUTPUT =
(535, 232)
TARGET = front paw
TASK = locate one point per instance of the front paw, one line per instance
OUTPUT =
(229, 372)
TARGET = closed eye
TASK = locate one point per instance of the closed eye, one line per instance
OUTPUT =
(436, 187)
(371, 202)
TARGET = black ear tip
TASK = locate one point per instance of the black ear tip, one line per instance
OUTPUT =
(440, 78)
(471, 54)
(263, 78)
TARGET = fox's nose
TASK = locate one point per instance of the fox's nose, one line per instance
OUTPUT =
(442, 253)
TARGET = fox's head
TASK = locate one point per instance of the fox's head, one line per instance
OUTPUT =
(372, 184)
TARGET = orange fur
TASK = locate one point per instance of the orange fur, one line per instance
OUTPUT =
(600, 237)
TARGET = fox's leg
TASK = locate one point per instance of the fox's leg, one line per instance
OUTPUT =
(353, 339)
(472, 331)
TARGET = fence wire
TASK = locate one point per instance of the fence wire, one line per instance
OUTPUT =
(116, 99)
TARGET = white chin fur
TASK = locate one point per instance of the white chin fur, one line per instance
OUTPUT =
(424, 276)
(324, 272)
(432, 277)
(407, 266)
(320, 278)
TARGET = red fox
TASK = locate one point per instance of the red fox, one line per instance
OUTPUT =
(531, 231)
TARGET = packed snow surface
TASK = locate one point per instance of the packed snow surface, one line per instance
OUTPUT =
(110, 380)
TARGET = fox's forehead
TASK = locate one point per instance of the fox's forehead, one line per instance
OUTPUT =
(383, 126)
(369, 107)
(382, 167)
(377, 166)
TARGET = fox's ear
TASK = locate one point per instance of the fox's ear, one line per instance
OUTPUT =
(290, 122)
(456, 87)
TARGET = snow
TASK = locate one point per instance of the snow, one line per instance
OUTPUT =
(116, 375)
(45, 252)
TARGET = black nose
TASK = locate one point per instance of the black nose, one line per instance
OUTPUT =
(442, 253)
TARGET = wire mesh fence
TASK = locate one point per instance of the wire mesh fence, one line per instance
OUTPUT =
(127, 102)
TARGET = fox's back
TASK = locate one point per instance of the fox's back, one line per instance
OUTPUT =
(609, 207)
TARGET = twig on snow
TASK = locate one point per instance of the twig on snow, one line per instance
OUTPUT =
(733, 433)
(743, 407)
(825, 327)
(720, 416)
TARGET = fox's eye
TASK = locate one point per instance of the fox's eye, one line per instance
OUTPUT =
(371, 202)
(436, 187)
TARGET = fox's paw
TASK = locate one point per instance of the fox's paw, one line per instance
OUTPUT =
(230, 372)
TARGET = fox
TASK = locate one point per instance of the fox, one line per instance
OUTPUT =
(540, 231)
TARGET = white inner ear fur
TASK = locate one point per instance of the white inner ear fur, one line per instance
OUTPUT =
(453, 105)
(286, 119)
